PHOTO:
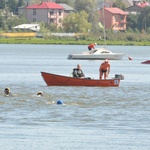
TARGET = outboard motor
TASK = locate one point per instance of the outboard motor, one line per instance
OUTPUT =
(119, 76)
(69, 56)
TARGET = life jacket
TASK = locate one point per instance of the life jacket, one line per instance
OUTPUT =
(77, 73)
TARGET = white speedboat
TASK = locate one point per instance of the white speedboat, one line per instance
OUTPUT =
(97, 53)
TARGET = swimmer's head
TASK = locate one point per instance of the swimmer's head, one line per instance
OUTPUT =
(7, 91)
(40, 93)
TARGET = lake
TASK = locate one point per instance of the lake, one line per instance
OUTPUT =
(106, 118)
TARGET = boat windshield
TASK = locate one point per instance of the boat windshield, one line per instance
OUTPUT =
(105, 52)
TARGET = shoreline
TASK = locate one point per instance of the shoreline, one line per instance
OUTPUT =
(66, 41)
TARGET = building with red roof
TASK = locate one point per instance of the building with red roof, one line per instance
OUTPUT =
(113, 18)
(45, 5)
(137, 7)
(48, 12)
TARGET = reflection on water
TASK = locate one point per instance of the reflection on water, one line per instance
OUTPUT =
(91, 117)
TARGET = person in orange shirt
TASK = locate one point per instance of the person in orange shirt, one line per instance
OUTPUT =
(92, 46)
(104, 69)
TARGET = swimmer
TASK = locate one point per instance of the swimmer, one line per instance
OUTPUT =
(59, 102)
(39, 94)
(7, 92)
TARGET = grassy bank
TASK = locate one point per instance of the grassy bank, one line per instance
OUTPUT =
(68, 41)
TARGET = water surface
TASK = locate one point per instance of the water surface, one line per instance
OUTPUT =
(92, 118)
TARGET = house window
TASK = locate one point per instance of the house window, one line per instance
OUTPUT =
(121, 17)
(115, 18)
(34, 19)
(51, 13)
(60, 13)
(51, 20)
(34, 11)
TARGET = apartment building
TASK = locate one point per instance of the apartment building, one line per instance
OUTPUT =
(48, 12)
(113, 18)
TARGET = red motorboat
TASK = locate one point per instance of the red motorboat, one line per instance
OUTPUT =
(59, 80)
(146, 62)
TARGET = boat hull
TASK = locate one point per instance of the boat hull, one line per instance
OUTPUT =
(96, 57)
(146, 62)
(59, 80)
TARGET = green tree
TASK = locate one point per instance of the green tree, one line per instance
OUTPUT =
(132, 20)
(119, 4)
(51, 27)
(87, 5)
(45, 32)
(90, 6)
(12, 5)
(144, 19)
(34, 1)
(1, 21)
(75, 23)
(2, 4)
(3, 24)
(21, 3)
(68, 2)
(15, 21)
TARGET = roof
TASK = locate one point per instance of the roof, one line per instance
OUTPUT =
(45, 5)
(115, 10)
(66, 7)
(138, 7)
(28, 26)
(128, 2)
(143, 4)
(100, 5)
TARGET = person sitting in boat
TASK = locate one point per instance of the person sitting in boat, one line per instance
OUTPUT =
(104, 69)
(7, 92)
(92, 46)
(77, 72)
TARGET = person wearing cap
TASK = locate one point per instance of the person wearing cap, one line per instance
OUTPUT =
(92, 46)
(77, 72)
(104, 69)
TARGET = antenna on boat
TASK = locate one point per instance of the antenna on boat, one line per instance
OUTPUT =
(104, 24)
